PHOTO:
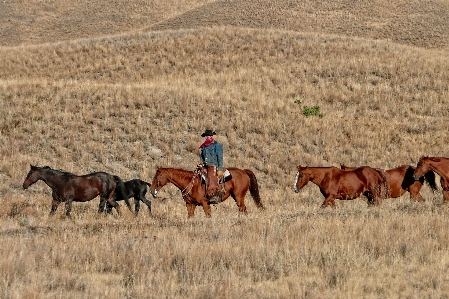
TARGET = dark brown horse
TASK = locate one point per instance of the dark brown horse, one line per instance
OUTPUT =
(400, 180)
(193, 189)
(335, 183)
(440, 165)
(68, 187)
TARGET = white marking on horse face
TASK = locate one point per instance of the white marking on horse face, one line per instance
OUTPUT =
(296, 181)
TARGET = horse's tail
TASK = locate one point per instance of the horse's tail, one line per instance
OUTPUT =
(384, 190)
(429, 177)
(254, 189)
(120, 192)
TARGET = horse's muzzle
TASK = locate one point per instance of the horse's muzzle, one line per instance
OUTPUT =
(295, 189)
(154, 193)
(25, 186)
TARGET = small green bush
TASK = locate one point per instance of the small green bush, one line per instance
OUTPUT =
(312, 111)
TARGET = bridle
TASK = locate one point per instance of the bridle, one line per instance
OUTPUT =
(186, 191)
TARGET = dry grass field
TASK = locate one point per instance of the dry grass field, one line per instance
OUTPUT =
(126, 86)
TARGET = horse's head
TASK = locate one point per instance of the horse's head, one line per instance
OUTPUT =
(301, 179)
(422, 168)
(160, 180)
(32, 177)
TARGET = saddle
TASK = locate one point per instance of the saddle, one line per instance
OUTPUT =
(214, 186)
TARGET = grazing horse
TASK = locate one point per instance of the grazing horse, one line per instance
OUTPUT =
(440, 165)
(134, 188)
(193, 189)
(335, 183)
(400, 180)
(68, 187)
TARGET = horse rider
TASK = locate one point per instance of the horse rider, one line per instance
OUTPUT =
(211, 156)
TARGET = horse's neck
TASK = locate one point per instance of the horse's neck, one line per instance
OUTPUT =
(50, 177)
(441, 168)
(319, 174)
(180, 178)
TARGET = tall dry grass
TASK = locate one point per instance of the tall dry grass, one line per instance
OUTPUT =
(128, 103)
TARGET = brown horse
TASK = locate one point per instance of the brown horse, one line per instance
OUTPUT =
(68, 187)
(400, 180)
(193, 189)
(335, 183)
(440, 165)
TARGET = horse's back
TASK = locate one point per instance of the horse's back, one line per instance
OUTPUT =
(363, 178)
(340, 181)
(238, 173)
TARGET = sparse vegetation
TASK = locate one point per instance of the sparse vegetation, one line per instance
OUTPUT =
(125, 87)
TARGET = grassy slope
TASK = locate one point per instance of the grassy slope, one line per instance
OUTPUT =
(98, 98)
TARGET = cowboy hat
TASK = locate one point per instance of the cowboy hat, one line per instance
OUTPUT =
(208, 133)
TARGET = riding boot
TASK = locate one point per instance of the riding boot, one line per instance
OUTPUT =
(213, 191)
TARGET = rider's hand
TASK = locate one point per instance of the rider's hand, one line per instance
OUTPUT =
(219, 173)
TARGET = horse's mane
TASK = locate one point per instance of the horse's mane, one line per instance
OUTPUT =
(179, 171)
(63, 172)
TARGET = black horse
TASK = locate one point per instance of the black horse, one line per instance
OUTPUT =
(68, 187)
(134, 188)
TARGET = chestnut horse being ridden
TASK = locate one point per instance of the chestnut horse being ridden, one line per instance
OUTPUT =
(68, 187)
(336, 183)
(400, 180)
(193, 189)
(440, 165)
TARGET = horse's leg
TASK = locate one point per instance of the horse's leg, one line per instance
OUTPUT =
(102, 204)
(191, 209)
(206, 207)
(68, 206)
(240, 201)
(147, 202)
(54, 204)
(416, 197)
(128, 204)
(329, 201)
(446, 195)
(108, 208)
(414, 192)
(445, 187)
(371, 197)
(136, 205)
(111, 201)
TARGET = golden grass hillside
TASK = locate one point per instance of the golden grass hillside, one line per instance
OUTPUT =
(128, 96)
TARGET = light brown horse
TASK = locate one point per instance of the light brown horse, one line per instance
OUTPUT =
(440, 165)
(400, 180)
(193, 189)
(335, 183)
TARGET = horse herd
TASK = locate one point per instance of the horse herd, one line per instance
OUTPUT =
(344, 183)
